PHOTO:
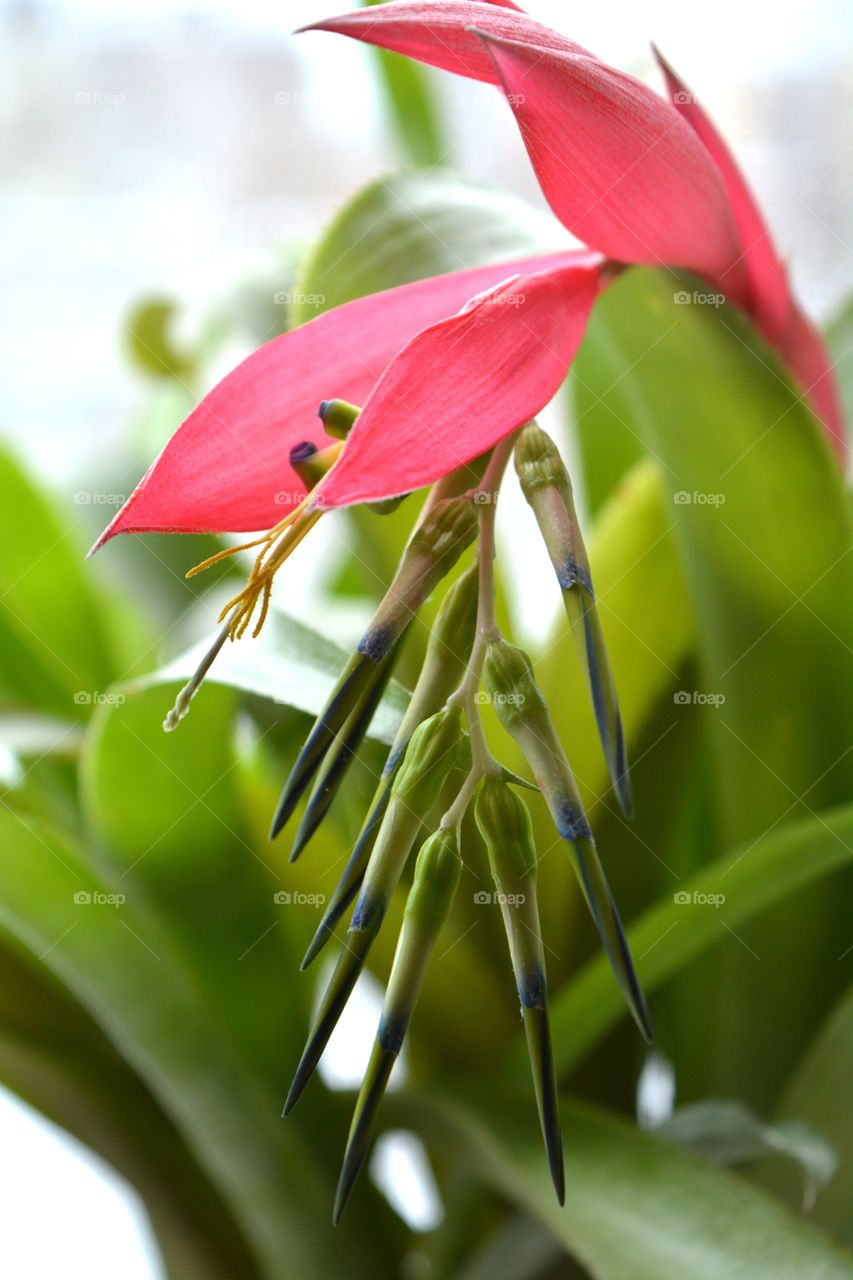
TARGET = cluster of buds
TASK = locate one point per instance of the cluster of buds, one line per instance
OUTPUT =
(439, 769)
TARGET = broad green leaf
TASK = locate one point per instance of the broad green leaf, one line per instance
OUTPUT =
(636, 1208)
(666, 938)
(818, 1094)
(413, 107)
(409, 226)
(763, 529)
(56, 653)
(54, 1056)
(288, 663)
(166, 812)
(123, 966)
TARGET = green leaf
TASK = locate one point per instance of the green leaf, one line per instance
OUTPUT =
(816, 1095)
(763, 529)
(55, 651)
(288, 663)
(409, 226)
(124, 967)
(839, 338)
(412, 106)
(54, 1056)
(635, 1206)
(666, 938)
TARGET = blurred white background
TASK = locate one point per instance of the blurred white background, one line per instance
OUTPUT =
(144, 151)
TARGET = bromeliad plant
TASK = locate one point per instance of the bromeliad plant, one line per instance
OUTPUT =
(451, 372)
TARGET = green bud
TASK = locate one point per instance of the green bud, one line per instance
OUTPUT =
(546, 486)
(433, 549)
(504, 823)
(437, 872)
(312, 464)
(521, 709)
(338, 417)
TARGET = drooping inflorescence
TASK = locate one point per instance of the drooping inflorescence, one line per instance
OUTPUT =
(440, 774)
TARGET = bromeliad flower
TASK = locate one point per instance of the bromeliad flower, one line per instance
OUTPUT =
(451, 372)
(643, 179)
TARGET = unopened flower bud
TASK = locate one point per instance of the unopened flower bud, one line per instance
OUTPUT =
(521, 709)
(504, 823)
(312, 464)
(546, 486)
(431, 754)
(436, 880)
(448, 649)
(338, 417)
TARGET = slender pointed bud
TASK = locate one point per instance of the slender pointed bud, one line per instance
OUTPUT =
(433, 549)
(521, 709)
(504, 823)
(311, 463)
(436, 879)
(546, 486)
(338, 760)
(448, 650)
(338, 417)
(431, 754)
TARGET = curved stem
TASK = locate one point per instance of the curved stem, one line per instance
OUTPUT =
(482, 760)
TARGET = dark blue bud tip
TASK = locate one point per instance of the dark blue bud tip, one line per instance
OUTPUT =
(302, 452)
(392, 1032)
(368, 913)
(532, 989)
(570, 573)
(375, 643)
(323, 410)
(572, 822)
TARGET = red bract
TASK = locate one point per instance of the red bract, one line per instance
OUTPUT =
(227, 467)
(464, 383)
(641, 178)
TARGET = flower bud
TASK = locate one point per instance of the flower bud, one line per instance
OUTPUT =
(504, 823)
(448, 649)
(311, 464)
(436, 879)
(338, 417)
(433, 549)
(431, 754)
(521, 709)
(546, 486)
